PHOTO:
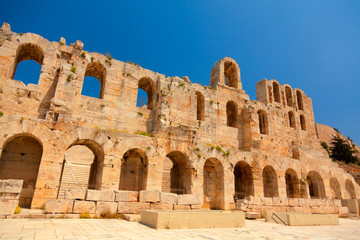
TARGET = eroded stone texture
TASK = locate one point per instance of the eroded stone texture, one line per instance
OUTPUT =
(212, 142)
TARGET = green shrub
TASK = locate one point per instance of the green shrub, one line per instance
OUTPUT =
(140, 113)
(218, 148)
(17, 210)
(84, 215)
(108, 215)
(83, 55)
(73, 69)
(1, 113)
(68, 79)
(143, 133)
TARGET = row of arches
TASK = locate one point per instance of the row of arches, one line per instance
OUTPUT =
(83, 163)
(288, 98)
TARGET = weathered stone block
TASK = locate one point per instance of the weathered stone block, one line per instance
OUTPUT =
(59, 206)
(171, 198)
(278, 201)
(10, 196)
(84, 206)
(182, 207)
(195, 206)
(11, 185)
(189, 199)
(255, 200)
(100, 195)
(293, 202)
(151, 196)
(102, 207)
(267, 201)
(132, 207)
(75, 193)
(126, 196)
(252, 215)
(7, 206)
(162, 206)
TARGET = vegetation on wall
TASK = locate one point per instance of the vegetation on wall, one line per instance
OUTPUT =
(341, 150)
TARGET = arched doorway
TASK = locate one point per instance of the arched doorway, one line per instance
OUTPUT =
(176, 177)
(213, 184)
(21, 159)
(133, 170)
(316, 185)
(335, 188)
(244, 184)
(270, 183)
(292, 184)
(349, 186)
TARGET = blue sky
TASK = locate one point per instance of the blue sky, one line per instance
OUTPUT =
(312, 45)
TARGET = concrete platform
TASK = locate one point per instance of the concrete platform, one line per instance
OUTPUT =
(192, 219)
(301, 219)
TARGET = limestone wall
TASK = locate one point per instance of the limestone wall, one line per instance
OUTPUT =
(202, 131)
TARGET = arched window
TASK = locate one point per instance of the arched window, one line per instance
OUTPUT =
(291, 119)
(200, 113)
(289, 99)
(276, 92)
(26, 67)
(90, 88)
(231, 114)
(270, 184)
(263, 122)
(21, 159)
(302, 122)
(230, 75)
(145, 87)
(133, 170)
(299, 100)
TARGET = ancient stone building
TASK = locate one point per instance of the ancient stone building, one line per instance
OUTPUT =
(212, 141)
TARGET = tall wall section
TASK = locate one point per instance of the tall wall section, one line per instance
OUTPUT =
(187, 137)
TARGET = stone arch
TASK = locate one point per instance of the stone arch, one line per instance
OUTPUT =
(82, 166)
(231, 114)
(291, 119)
(276, 90)
(270, 183)
(299, 100)
(302, 122)
(134, 166)
(316, 185)
(231, 74)
(288, 94)
(335, 188)
(147, 84)
(20, 159)
(213, 185)
(28, 51)
(200, 106)
(350, 189)
(263, 122)
(244, 182)
(292, 184)
(177, 172)
(98, 71)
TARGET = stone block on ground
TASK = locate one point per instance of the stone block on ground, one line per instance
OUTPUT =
(59, 206)
(102, 207)
(195, 206)
(132, 217)
(189, 199)
(162, 206)
(7, 206)
(84, 207)
(75, 193)
(126, 196)
(151, 196)
(168, 198)
(182, 207)
(132, 207)
(252, 215)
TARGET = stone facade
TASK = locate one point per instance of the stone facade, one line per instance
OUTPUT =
(213, 141)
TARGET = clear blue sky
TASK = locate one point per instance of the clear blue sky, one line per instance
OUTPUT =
(312, 45)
